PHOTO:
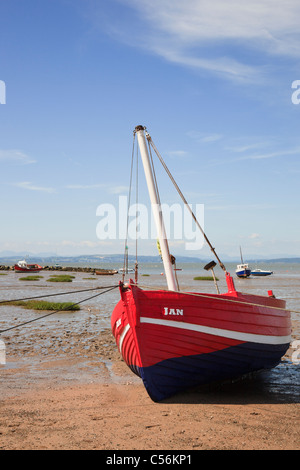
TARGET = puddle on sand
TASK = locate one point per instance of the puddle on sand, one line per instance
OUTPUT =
(278, 385)
(10, 365)
(282, 382)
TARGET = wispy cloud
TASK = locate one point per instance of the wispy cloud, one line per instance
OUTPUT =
(177, 153)
(265, 155)
(118, 189)
(85, 186)
(245, 147)
(108, 188)
(16, 156)
(204, 138)
(31, 187)
(211, 35)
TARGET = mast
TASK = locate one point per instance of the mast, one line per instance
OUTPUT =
(241, 255)
(156, 209)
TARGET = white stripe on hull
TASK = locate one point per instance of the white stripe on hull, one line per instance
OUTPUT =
(246, 337)
(123, 334)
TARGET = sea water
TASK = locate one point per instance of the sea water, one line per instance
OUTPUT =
(94, 314)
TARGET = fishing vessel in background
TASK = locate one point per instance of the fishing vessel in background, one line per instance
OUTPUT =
(126, 269)
(242, 270)
(24, 267)
(106, 272)
(261, 272)
(176, 340)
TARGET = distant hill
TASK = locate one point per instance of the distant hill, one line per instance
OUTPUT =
(87, 260)
(283, 260)
(116, 259)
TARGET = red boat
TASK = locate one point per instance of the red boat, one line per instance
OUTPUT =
(24, 267)
(176, 340)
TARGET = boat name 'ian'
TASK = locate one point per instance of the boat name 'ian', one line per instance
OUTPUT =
(173, 311)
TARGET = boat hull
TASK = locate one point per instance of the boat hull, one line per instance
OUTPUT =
(243, 273)
(34, 268)
(175, 341)
(106, 272)
(261, 273)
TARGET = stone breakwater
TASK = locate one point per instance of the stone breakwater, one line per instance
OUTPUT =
(77, 269)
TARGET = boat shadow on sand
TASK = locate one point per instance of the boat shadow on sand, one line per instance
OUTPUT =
(277, 386)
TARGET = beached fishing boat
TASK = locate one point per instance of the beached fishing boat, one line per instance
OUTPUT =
(24, 267)
(242, 270)
(126, 270)
(106, 272)
(261, 272)
(176, 340)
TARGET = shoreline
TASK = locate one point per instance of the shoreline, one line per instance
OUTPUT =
(75, 402)
(66, 387)
(77, 269)
(119, 415)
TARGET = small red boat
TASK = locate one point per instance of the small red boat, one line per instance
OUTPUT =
(24, 267)
(176, 340)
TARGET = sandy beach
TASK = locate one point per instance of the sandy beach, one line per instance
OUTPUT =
(70, 402)
(64, 386)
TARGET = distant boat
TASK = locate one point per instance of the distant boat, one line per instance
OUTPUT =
(126, 270)
(106, 272)
(175, 340)
(24, 267)
(261, 272)
(242, 270)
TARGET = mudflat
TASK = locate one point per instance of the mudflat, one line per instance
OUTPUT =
(86, 398)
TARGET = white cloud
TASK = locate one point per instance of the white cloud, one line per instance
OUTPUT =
(109, 188)
(209, 34)
(254, 235)
(118, 189)
(262, 156)
(29, 186)
(85, 186)
(274, 25)
(204, 138)
(16, 156)
(177, 153)
(82, 243)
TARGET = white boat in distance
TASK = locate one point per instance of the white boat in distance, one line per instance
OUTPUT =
(261, 272)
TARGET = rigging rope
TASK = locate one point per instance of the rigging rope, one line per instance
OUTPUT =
(54, 295)
(184, 200)
(125, 264)
(171, 257)
(56, 311)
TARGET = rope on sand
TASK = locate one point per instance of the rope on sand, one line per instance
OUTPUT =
(109, 288)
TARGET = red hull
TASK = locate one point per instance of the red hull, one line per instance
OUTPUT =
(176, 340)
(31, 268)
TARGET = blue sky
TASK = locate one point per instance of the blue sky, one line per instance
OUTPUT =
(211, 80)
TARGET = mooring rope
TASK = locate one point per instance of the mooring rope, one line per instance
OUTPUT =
(56, 311)
(54, 295)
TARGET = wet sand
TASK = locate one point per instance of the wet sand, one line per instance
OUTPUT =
(95, 402)
(65, 387)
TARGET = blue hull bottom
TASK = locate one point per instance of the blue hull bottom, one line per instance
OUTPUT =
(243, 273)
(261, 274)
(175, 375)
